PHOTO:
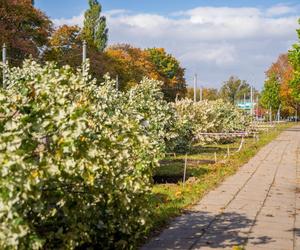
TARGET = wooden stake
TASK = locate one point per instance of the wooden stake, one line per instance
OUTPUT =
(228, 151)
(185, 166)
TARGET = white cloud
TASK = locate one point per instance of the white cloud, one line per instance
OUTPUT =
(280, 9)
(213, 41)
(75, 20)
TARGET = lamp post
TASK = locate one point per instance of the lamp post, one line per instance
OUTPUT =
(4, 64)
(195, 88)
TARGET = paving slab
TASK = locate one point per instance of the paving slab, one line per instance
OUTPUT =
(258, 207)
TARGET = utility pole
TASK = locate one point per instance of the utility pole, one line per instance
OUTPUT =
(4, 65)
(257, 108)
(201, 93)
(251, 100)
(84, 50)
(117, 82)
(195, 88)
(278, 114)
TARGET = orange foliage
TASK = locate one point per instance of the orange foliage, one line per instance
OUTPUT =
(284, 73)
(130, 64)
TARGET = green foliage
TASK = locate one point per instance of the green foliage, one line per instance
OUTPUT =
(270, 96)
(234, 89)
(94, 29)
(170, 72)
(294, 57)
(194, 118)
(76, 159)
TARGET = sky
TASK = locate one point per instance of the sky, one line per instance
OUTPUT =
(211, 38)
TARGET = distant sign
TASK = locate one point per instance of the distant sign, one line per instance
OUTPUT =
(246, 105)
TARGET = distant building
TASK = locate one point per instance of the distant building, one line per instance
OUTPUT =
(246, 105)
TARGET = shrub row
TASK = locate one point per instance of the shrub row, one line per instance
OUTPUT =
(76, 157)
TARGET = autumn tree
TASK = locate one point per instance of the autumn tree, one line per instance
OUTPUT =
(170, 72)
(210, 94)
(294, 58)
(130, 64)
(95, 31)
(283, 71)
(24, 29)
(65, 46)
(234, 89)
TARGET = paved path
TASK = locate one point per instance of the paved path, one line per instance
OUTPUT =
(258, 207)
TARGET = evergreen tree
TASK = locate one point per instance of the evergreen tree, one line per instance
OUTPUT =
(94, 29)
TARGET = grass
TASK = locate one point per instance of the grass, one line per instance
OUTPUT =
(170, 200)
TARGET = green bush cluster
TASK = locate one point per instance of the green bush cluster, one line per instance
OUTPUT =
(76, 158)
(194, 118)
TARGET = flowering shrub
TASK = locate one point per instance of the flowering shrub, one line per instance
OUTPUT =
(194, 118)
(76, 159)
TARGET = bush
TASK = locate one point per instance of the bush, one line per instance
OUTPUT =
(76, 159)
(194, 118)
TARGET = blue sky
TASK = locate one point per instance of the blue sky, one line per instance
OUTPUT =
(69, 8)
(212, 38)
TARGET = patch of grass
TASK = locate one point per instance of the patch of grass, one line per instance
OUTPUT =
(170, 200)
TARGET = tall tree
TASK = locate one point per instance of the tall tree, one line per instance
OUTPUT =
(294, 57)
(283, 71)
(23, 28)
(130, 64)
(270, 96)
(170, 72)
(234, 89)
(65, 46)
(95, 30)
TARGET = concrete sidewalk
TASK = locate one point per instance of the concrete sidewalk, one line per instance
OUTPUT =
(257, 208)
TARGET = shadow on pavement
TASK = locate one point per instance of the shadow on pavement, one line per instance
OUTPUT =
(294, 129)
(195, 230)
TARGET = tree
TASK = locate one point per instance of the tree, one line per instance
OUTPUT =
(94, 30)
(283, 71)
(294, 58)
(66, 49)
(170, 72)
(24, 29)
(65, 46)
(130, 64)
(210, 94)
(234, 89)
(270, 96)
